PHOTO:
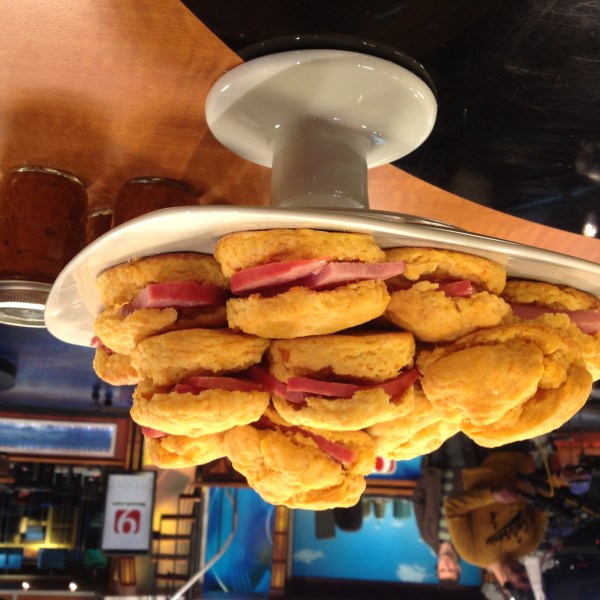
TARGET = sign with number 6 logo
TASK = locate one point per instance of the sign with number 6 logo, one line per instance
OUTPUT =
(127, 522)
(128, 513)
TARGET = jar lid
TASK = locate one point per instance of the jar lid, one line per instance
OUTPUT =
(22, 303)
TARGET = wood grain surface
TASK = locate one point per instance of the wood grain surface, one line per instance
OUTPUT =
(114, 90)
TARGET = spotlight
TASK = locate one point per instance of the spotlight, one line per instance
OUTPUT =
(72, 586)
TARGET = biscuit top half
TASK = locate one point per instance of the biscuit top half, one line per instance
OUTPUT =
(423, 263)
(122, 283)
(245, 249)
(561, 297)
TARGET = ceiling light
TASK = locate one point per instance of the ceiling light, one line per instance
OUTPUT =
(590, 229)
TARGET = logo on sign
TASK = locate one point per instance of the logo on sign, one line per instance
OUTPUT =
(127, 522)
(384, 465)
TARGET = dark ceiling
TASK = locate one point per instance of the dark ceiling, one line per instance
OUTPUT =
(53, 376)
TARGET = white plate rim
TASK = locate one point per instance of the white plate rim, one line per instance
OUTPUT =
(73, 302)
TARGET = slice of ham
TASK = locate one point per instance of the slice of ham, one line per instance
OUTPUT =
(274, 274)
(454, 288)
(178, 294)
(97, 343)
(337, 451)
(587, 320)
(153, 433)
(195, 385)
(315, 274)
(462, 288)
(332, 389)
(273, 385)
(341, 273)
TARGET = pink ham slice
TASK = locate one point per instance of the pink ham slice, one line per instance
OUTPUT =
(462, 288)
(337, 451)
(454, 288)
(587, 320)
(178, 294)
(333, 389)
(153, 433)
(340, 273)
(273, 385)
(97, 343)
(195, 385)
(274, 274)
(314, 274)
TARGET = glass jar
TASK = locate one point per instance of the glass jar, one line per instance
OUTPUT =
(43, 214)
(98, 223)
(142, 195)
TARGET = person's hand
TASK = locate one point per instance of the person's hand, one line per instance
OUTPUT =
(506, 495)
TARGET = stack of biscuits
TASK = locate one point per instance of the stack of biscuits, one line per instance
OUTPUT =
(302, 355)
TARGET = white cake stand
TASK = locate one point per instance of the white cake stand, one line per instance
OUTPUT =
(320, 119)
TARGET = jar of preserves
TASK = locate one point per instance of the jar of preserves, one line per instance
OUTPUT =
(98, 223)
(142, 195)
(43, 215)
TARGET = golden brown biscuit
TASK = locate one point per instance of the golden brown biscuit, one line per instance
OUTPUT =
(180, 451)
(540, 293)
(423, 430)
(121, 332)
(489, 377)
(170, 357)
(432, 263)
(363, 409)
(296, 467)
(301, 312)
(285, 308)
(364, 359)
(418, 303)
(524, 295)
(121, 283)
(115, 368)
(344, 495)
(432, 316)
(588, 345)
(121, 325)
(195, 414)
(367, 357)
(545, 412)
(244, 249)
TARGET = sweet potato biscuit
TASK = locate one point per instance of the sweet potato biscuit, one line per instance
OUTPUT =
(488, 376)
(423, 430)
(363, 409)
(363, 358)
(548, 410)
(121, 332)
(432, 316)
(241, 250)
(425, 310)
(302, 312)
(115, 368)
(448, 264)
(344, 495)
(209, 411)
(180, 451)
(367, 357)
(173, 356)
(588, 345)
(122, 283)
(541, 293)
(560, 297)
(288, 467)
